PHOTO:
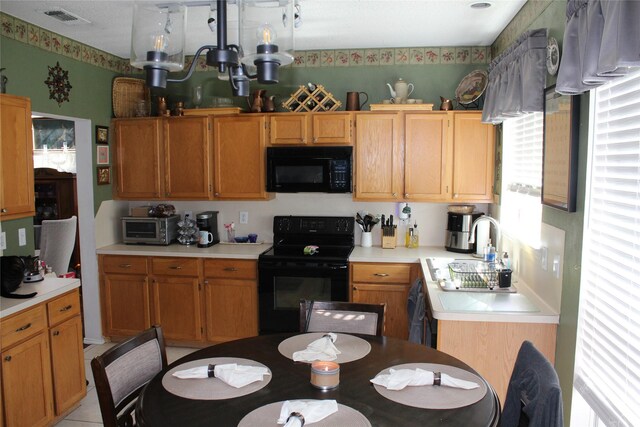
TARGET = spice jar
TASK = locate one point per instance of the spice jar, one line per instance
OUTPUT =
(325, 375)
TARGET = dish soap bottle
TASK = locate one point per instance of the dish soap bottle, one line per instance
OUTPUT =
(408, 236)
(414, 237)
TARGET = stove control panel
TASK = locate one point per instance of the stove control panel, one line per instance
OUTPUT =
(313, 225)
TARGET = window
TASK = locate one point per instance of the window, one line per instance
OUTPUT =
(521, 209)
(607, 366)
(54, 144)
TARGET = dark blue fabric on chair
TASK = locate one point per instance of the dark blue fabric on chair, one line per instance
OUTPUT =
(534, 390)
(415, 312)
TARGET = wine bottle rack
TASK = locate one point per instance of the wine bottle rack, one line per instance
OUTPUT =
(306, 100)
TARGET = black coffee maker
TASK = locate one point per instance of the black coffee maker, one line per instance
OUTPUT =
(458, 229)
(208, 221)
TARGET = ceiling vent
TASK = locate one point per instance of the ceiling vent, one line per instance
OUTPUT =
(66, 17)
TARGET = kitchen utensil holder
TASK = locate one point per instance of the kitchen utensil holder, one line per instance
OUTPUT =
(307, 100)
(390, 241)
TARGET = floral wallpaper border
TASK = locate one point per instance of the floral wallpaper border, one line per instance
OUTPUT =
(24, 32)
(519, 24)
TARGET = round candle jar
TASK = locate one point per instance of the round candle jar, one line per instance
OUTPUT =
(325, 375)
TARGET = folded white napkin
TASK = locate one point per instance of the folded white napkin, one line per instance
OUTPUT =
(320, 349)
(397, 379)
(231, 373)
(312, 411)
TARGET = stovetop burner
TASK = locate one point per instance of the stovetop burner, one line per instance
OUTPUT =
(291, 234)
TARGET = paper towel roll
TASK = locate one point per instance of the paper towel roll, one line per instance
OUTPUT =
(482, 237)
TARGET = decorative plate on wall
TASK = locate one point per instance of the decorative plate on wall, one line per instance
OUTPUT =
(553, 56)
(472, 87)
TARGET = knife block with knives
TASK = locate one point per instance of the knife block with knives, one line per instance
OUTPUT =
(389, 229)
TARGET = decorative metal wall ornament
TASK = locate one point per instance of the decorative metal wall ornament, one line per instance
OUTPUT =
(58, 82)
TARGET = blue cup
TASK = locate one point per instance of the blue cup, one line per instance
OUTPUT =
(253, 238)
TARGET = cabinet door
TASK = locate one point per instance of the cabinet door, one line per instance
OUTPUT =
(331, 128)
(188, 161)
(395, 296)
(425, 152)
(473, 158)
(379, 156)
(289, 129)
(138, 153)
(126, 308)
(239, 144)
(26, 383)
(67, 359)
(176, 307)
(231, 309)
(16, 158)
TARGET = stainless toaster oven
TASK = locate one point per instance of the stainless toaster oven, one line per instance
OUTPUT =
(149, 230)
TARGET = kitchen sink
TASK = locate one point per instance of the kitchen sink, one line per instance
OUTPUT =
(466, 275)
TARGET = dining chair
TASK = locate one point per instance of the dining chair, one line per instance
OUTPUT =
(534, 397)
(121, 373)
(57, 240)
(339, 316)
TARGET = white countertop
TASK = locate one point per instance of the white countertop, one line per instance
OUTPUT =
(47, 289)
(221, 250)
(400, 254)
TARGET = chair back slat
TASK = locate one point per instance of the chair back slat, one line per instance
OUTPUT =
(339, 316)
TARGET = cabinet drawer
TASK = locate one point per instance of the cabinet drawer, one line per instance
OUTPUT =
(230, 268)
(381, 273)
(124, 264)
(22, 325)
(63, 308)
(175, 266)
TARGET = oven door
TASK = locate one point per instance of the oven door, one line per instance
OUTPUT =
(282, 285)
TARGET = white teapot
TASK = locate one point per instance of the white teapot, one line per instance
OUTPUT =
(401, 89)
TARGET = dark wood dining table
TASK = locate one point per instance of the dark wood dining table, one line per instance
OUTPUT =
(157, 407)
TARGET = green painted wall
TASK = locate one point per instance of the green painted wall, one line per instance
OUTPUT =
(553, 18)
(90, 98)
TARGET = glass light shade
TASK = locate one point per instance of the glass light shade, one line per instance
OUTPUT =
(158, 36)
(266, 31)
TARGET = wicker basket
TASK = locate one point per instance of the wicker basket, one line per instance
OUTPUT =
(126, 93)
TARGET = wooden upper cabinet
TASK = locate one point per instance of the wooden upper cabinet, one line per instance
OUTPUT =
(331, 128)
(188, 159)
(379, 153)
(310, 128)
(239, 153)
(16, 158)
(473, 158)
(138, 150)
(289, 129)
(425, 172)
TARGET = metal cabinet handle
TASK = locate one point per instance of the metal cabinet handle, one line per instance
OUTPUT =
(206, 282)
(216, 194)
(315, 140)
(56, 333)
(176, 267)
(355, 288)
(230, 269)
(125, 266)
(455, 195)
(406, 195)
(380, 274)
(23, 328)
(7, 358)
(67, 308)
(4, 210)
(394, 194)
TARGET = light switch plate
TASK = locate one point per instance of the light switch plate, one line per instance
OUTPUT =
(3, 240)
(244, 217)
(22, 237)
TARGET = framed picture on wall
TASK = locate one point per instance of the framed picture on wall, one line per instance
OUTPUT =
(102, 134)
(560, 151)
(104, 175)
(102, 155)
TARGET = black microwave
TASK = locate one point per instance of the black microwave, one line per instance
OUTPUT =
(309, 169)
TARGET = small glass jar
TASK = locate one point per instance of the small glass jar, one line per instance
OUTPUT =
(231, 235)
(325, 375)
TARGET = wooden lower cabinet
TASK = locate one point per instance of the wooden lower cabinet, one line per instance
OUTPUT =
(26, 383)
(176, 307)
(231, 299)
(42, 376)
(491, 348)
(126, 304)
(374, 283)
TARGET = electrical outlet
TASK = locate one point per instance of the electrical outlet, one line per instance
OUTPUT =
(188, 214)
(244, 217)
(556, 266)
(544, 257)
(22, 237)
(3, 240)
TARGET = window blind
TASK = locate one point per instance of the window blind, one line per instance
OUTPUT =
(521, 209)
(607, 366)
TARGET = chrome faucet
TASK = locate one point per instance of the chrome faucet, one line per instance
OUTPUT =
(496, 224)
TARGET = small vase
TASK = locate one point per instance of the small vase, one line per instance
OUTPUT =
(366, 240)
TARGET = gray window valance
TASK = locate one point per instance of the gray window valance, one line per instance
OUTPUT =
(601, 41)
(517, 79)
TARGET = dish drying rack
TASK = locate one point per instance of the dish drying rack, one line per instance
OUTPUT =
(474, 274)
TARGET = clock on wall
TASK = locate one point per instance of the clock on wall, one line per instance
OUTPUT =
(553, 56)
(58, 82)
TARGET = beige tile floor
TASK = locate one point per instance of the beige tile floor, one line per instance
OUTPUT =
(88, 413)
